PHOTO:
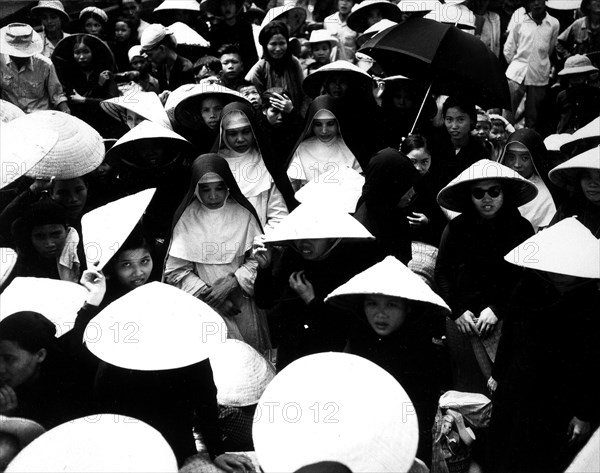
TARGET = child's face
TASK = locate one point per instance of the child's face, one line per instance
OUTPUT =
(18, 365)
(139, 63)
(232, 66)
(49, 240)
(322, 52)
(277, 46)
(122, 31)
(133, 267)
(240, 139)
(71, 194)
(83, 56)
(338, 86)
(385, 314)
(325, 129)
(482, 129)
(274, 116)
(252, 95)
(93, 27)
(518, 158)
(498, 133)
(345, 6)
(486, 205)
(210, 110)
(590, 185)
(133, 119)
(421, 160)
(213, 194)
(50, 21)
(313, 249)
(458, 123)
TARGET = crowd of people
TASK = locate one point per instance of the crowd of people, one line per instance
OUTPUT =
(243, 172)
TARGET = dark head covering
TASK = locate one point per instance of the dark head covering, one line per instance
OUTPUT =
(30, 330)
(275, 168)
(532, 140)
(273, 28)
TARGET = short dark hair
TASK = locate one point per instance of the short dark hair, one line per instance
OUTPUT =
(465, 104)
(273, 28)
(412, 142)
(211, 62)
(229, 48)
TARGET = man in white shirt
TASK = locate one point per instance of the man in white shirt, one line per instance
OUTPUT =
(337, 25)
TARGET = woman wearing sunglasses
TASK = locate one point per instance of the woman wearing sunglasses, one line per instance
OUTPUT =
(471, 273)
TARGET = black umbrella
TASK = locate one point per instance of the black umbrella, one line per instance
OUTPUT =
(452, 61)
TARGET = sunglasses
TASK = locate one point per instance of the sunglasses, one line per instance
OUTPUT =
(493, 192)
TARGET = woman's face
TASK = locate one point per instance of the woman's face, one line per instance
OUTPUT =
(590, 185)
(122, 31)
(517, 158)
(83, 56)
(211, 109)
(338, 86)
(385, 314)
(133, 119)
(17, 366)
(150, 154)
(71, 194)
(421, 160)
(313, 249)
(92, 26)
(458, 123)
(51, 21)
(277, 46)
(274, 116)
(133, 267)
(487, 197)
(240, 139)
(213, 194)
(325, 129)
(49, 240)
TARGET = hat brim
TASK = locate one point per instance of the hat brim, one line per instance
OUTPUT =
(63, 59)
(583, 139)
(187, 110)
(313, 83)
(39, 9)
(357, 20)
(566, 175)
(35, 47)
(577, 70)
(293, 16)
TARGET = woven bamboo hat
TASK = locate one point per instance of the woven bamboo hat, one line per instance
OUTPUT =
(291, 14)
(567, 174)
(98, 443)
(186, 36)
(25, 430)
(583, 139)
(145, 104)
(9, 111)
(313, 83)
(78, 151)
(322, 408)
(241, 374)
(455, 196)
(567, 247)
(190, 5)
(161, 328)
(388, 278)
(54, 5)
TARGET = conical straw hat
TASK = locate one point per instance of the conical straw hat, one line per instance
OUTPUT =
(98, 443)
(566, 247)
(187, 36)
(58, 301)
(191, 5)
(313, 82)
(388, 278)
(555, 141)
(241, 374)
(159, 327)
(312, 221)
(9, 111)
(145, 104)
(106, 228)
(357, 20)
(291, 14)
(456, 196)
(583, 139)
(566, 174)
(78, 151)
(25, 430)
(21, 150)
(323, 407)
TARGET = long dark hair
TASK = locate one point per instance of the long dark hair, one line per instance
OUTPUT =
(272, 29)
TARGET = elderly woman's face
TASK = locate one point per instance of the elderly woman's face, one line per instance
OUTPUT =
(487, 197)
(17, 366)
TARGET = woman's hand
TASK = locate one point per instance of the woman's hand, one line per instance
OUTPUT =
(218, 293)
(492, 385)
(466, 323)
(76, 97)
(487, 322)
(260, 252)
(231, 463)
(104, 77)
(578, 431)
(281, 103)
(8, 399)
(418, 220)
(302, 286)
(95, 282)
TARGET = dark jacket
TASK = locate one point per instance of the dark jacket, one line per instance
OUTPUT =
(182, 72)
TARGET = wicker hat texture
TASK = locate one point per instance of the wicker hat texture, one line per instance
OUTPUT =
(424, 257)
(357, 20)
(313, 221)
(313, 83)
(58, 301)
(583, 139)
(174, 98)
(190, 5)
(347, 426)
(78, 151)
(567, 247)
(106, 228)
(454, 14)
(20, 40)
(577, 64)
(455, 196)
(187, 111)
(391, 278)
(9, 111)
(241, 374)
(566, 174)
(24, 430)
(98, 443)
(162, 328)
(186, 36)
(55, 5)
(145, 104)
(292, 15)
(94, 11)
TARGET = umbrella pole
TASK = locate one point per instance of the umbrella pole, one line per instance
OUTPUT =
(421, 108)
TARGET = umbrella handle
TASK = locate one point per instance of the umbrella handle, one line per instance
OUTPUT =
(421, 108)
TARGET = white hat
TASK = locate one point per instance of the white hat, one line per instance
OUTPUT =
(160, 328)
(95, 11)
(135, 50)
(335, 407)
(454, 14)
(58, 301)
(577, 64)
(106, 228)
(54, 5)
(391, 278)
(313, 83)
(241, 374)
(98, 443)
(507, 125)
(567, 247)
(564, 4)
(357, 20)
(190, 5)
(25, 430)
(343, 191)
(323, 36)
(566, 174)
(455, 196)
(145, 104)
(555, 141)
(153, 35)
(185, 35)
(374, 30)
(20, 40)
(290, 13)
(313, 221)
(583, 139)
(9, 111)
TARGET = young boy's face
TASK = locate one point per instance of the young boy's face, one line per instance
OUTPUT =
(232, 66)
(498, 132)
(49, 240)
(71, 194)
(133, 267)
(345, 6)
(228, 9)
(139, 63)
(385, 314)
(482, 129)
(325, 129)
(536, 7)
(322, 52)
(51, 21)
(122, 31)
(252, 95)
(213, 194)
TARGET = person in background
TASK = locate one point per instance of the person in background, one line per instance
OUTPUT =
(323, 46)
(282, 123)
(124, 39)
(232, 73)
(337, 24)
(94, 21)
(248, 90)
(207, 66)
(52, 15)
(131, 9)
(582, 36)
(140, 64)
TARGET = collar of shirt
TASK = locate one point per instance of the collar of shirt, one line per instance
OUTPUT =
(9, 61)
